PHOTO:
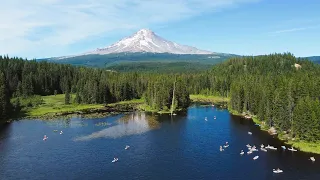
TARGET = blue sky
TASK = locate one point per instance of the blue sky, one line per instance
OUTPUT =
(50, 28)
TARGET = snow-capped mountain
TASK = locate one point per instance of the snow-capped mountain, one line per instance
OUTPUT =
(147, 41)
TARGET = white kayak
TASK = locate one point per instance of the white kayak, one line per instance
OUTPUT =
(256, 157)
(263, 149)
(225, 146)
(241, 153)
(249, 152)
(292, 149)
(115, 160)
(277, 171)
(248, 146)
(312, 159)
(127, 147)
(221, 149)
(283, 147)
(273, 148)
(250, 133)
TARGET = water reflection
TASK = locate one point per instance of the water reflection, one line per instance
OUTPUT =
(136, 123)
(73, 122)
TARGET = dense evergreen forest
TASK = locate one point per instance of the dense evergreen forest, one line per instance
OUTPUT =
(283, 91)
(21, 79)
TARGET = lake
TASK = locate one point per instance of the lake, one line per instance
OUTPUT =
(182, 147)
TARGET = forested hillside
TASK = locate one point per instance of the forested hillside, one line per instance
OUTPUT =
(146, 62)
(281, 94)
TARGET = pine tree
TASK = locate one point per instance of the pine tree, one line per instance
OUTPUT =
(77, 99)
(67, 97)
(5, 105)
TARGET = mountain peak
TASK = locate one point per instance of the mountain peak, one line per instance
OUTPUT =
(146, 40)
(144, 31)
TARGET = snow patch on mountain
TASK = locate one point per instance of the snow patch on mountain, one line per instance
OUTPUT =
(147, 41)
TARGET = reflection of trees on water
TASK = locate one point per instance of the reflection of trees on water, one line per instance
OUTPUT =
(136, 123)
(66, 123)
(140, 118)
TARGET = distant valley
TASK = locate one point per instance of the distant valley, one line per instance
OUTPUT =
(146, 61)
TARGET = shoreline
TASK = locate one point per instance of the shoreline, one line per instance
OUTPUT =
(54, 107)
(100, 110)
(303, 146)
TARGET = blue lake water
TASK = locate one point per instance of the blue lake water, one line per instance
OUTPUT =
(183, 147)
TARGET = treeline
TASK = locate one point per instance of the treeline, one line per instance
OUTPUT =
(21, 79)
(283, 91)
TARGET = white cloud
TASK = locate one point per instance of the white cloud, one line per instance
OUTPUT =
(289, 30)
(294, 29)
(31, 25)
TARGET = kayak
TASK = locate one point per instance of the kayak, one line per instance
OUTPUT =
(292, 149)
(277, 171)
(263, 149)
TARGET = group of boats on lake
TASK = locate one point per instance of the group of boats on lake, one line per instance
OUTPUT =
(61, 132)
(117, 159)
(45, 137)
(206, 119)
(263, 148)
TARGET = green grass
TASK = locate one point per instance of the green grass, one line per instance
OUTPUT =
(133, 101)
(212, 99)
(55, 104)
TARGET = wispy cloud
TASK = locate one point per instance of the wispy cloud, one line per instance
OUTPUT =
(31, 25)
(289, 30)
(293, 30)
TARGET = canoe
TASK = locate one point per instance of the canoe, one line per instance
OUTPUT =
(292, 149)
(273, 148)
(277, 171)
(263, 149)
